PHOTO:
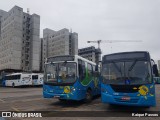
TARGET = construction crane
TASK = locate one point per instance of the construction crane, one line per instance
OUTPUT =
(112, 41)
(99, 52)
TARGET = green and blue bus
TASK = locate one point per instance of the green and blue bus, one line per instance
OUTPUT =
(71, 78)
(127, 79)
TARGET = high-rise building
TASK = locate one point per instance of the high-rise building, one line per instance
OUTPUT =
(90, 53)
(60, 42)
(19, 42)
(159, 65)
(2, 13)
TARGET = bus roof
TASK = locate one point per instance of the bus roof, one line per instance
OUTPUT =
(16, 74)
(75, 56)
(126, 55)
(128, 52)
(84, 59)
(36, 73)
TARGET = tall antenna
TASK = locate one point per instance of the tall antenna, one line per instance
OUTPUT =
(28, 10)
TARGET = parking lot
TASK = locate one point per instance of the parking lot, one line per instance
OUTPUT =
(31, 99)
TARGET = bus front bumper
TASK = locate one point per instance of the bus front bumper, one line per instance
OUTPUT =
(133, 101)
(69, 96)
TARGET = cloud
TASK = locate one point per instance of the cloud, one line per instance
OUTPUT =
(101, 19)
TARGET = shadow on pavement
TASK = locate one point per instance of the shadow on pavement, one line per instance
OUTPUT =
(74, 103)
(127, 108)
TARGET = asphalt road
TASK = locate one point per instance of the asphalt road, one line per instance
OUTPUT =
(31, 99)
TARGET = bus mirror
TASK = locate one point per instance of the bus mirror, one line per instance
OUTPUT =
(155, 70)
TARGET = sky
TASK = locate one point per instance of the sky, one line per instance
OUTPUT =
(101, 20)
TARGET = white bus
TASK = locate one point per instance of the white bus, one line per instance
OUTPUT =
(37, 79)
(18, 79)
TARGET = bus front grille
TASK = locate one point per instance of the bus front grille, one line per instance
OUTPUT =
(125, 88)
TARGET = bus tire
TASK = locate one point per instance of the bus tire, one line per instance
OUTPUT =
(88, 98)
(147, 107)
(13, 85)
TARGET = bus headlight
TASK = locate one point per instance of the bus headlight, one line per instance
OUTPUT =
(45, 89)
(73, 89)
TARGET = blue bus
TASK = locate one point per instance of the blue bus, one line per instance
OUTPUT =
(71, 78)
(127, 79)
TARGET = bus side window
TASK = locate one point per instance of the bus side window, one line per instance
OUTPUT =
(94, 75)
(14, 77)
(82, 70)
(8, 78)
(90, 70)
(11, 78)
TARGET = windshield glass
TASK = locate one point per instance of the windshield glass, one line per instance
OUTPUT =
(51, 71)
(61, 72)
(130, 72)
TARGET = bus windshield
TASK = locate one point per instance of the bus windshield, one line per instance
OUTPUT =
(134, 72)
(34, 76)
(64, 72)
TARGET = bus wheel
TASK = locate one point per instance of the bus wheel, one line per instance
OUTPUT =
(13, 85)
(147, 107)
(88, 96)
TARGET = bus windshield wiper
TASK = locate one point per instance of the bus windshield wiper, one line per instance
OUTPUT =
(56, 71)
(119, 70)
(132, 66)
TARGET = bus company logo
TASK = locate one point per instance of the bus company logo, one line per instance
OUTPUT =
(144, 91)
(127, 82)
(6, 114)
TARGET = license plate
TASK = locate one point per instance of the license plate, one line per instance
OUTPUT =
(56, 96)
(126, 98)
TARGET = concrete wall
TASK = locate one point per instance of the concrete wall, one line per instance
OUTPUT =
(11, 34)
(2, 13)
(74, 43)
(36, 43)
(14, 44)
(60, 42)
(88, 53)
(159, 65)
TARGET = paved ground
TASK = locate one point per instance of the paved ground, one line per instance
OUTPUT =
(31, 99)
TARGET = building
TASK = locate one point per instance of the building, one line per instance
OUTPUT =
(2, 13)
(60, 42)
(159, 65)
(19, 42)
(90, 53)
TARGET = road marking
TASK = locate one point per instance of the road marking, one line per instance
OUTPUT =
(2, 101)
(27, 100)
(15, 109)
(93, 104)
(31, 99)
